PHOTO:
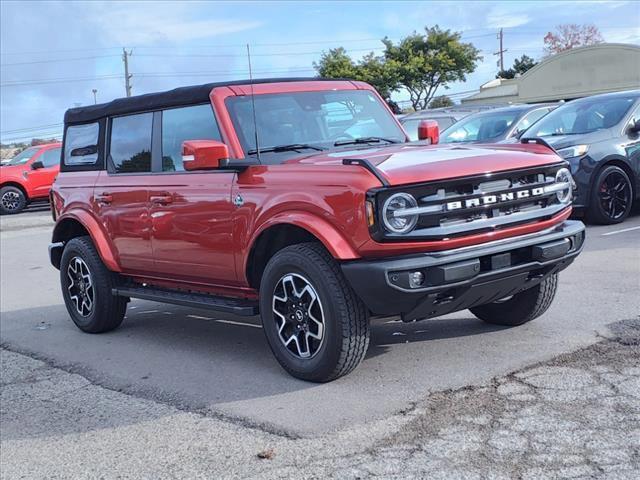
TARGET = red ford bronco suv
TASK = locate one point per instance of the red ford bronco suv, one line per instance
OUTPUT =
(303, 201)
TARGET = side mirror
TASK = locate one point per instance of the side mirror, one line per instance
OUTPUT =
(203, 154)
(635, 126)
(36, 165)
(429, 130)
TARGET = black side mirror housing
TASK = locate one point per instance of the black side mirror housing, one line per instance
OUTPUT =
(36, 165)
(635, 126)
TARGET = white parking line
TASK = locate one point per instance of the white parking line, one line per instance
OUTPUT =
(621, 231)
(231, 322)
(199, 317)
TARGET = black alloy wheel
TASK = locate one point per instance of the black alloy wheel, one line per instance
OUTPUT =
(612, 196)
(12, 200)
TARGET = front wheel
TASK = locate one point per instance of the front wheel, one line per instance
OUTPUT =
(521, 307)
(316, 326)
(86, 288)
(12, 200)
(611, 197)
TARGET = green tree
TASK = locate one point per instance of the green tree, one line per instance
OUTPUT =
(420, 64)
(423, 63)
(520, 65)
(441, 101)
(336, 64)
(371, 69)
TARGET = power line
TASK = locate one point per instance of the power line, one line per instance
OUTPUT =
(17, 83)
(56, 60)
(231, 55)
(253, 45)
(152, 75)
(53, 134)
(30, 129)
(218, 55)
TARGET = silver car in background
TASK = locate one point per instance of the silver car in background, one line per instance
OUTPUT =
(496, 125)
(445, 117)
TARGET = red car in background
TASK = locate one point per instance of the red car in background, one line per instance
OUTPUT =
(28, 176)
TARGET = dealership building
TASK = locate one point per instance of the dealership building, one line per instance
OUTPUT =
(579, 72)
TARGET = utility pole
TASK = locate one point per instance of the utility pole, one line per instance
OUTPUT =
(127, 75)
(95, 98)
(501, 51)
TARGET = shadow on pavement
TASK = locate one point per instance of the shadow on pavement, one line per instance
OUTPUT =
(186, 358)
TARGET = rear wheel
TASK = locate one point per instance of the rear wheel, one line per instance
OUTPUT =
(86, 288)
(611, 197)
(521, 307)
(316, 326)
(12, 200)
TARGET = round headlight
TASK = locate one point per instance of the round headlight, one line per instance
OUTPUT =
(393, 216)
(564, 176)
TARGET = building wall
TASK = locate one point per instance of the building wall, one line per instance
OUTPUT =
(579, 72)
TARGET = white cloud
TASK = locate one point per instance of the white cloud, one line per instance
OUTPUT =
(506, 20)
(147, 23)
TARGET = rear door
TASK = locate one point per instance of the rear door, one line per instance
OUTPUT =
(42, 178)
(190, 211)
(121, 195)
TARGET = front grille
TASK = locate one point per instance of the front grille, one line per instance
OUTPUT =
(458, 207)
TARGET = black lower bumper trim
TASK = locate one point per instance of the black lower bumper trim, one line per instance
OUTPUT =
(434, 284)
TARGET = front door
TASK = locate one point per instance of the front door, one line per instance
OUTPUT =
(41, 179)
(190, 212)
(191, 226)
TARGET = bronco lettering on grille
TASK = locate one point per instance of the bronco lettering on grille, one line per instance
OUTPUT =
(492, 199)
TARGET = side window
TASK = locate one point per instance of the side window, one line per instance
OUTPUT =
(51, 157)
(130, 144)
(635, 116)
(180, 124)
(81, 144)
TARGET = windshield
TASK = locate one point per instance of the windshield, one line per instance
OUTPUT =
(23, 157)
(582, 116)
(311, 121)
(411, 125)
(480, 127)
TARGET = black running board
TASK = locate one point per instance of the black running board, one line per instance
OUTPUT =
(237, 306)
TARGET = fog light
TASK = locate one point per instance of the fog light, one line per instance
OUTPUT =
(416, 279)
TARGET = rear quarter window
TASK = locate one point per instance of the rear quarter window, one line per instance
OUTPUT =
(81, 146)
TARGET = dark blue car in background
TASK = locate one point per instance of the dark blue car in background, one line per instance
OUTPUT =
(600, 137)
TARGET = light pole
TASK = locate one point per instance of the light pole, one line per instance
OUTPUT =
(95, 98)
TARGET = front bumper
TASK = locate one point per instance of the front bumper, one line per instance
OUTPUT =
(466, 277)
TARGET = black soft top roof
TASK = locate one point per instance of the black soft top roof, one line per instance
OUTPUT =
(152, 101)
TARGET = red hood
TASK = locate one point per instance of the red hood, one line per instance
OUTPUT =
(411, 163)
(12, 170)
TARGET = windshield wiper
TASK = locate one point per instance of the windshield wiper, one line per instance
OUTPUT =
(285, 148)
(356, 141)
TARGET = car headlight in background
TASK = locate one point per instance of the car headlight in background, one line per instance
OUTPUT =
(396, 215)
(572, 152)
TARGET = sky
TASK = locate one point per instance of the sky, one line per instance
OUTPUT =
(53, 54)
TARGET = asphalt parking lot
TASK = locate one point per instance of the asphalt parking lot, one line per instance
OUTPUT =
(216, 373)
